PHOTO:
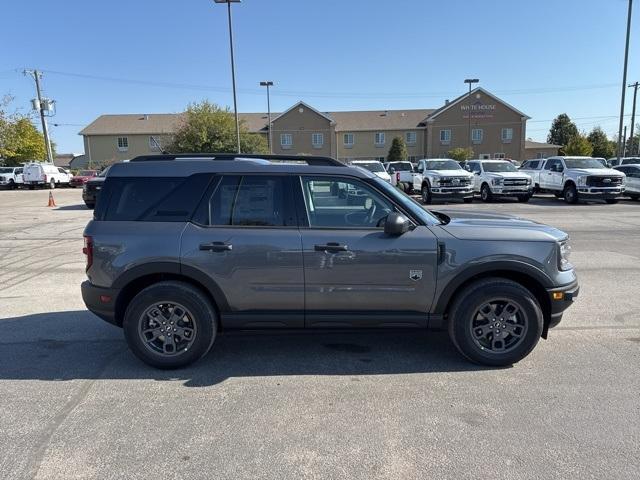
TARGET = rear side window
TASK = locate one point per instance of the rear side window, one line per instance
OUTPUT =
(151, 199)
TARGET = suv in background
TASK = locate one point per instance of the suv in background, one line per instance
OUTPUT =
(402, 174)
(91, 188)
(11, 177)
(533, 168)
(616, 162)
(632, 179)
(499, 178)
(183, 247)
(443, 179)
(581, 178)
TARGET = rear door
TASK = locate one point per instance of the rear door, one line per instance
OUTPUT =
(245, 240)
(356, 275)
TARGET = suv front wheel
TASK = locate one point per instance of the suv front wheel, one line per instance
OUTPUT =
(496, 322)
(170, 325)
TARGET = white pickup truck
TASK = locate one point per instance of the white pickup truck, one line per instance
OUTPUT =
(401, 174)
(11, 177)
(442, 178)
(533, 168)
(499, 178)
(581, 178)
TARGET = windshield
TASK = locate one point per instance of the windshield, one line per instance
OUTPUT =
(104, 172)
(401, 166)
(6, 170)
(87, 173)
(630, 161)
(583, 163)
(498, 167)
(442, 165)
(407, 202)
(371, 166)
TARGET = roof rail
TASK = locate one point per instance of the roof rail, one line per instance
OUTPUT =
(308, 159)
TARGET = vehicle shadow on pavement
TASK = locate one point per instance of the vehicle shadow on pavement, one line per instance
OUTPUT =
(64, 346)
(79, 206)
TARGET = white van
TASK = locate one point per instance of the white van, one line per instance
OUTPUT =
(45, 174)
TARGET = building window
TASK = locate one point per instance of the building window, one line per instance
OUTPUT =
(507, 135)
(123, 144)
(379, 139)
(485, 156)
(286, 140)
(498, 156)
(380, 159)
(445, 137)
(539, 155)
(317, 140)
(411, 138)
(348, 140)
(154, 144)
(476, 135)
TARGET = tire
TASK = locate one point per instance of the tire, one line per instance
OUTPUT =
(12, 185)
(635, 197)
(524, 198)
(52, 184)
(31, 187)
(474, 336)
(426, 194)
(558, 195)
(485, 193)
(570, 194)
(611, 201)
(90, 206)
(408, 189)
(201, 318)
(467, 200)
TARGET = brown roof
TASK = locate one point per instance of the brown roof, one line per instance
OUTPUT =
(379, 119)
(532, 144)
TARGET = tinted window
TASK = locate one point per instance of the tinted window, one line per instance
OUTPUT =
(150, 199)
(474, 167)
(498, 167)
(551, 163)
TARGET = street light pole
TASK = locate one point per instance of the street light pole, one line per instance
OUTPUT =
(624, 80)
(470, 81)
(233, 68)
(269, 137)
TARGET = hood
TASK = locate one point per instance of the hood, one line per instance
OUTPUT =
(507, 174)
(450, 173)
(490, 226)
(607, 172)
(382, 175)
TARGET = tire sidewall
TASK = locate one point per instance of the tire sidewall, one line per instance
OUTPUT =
(462, 316)
(570, 194)
(204, 317)
(485, 193)
(426, 194)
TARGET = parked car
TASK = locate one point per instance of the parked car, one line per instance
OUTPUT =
(374, 167)
(580, 178)
(11, 177)
(38, 174)
(614, 162)
(401, 174)
(443, 179)
(83, 177)
(499, 178)
(91, 189)
(180, 249)
(632, 180)
(533, 169)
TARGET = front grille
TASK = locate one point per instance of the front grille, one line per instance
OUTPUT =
(515, 182)
(604, 181)
(454, 181)
(93, 188)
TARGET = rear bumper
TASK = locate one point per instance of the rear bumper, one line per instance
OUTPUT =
(101, 301)
(561, 298)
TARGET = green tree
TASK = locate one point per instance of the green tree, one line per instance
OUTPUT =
(210, 128)
(20, 141)
(633, 144)
(562, 130)
(398, 150)
(460, 154)
(602, 146)
(579, 145)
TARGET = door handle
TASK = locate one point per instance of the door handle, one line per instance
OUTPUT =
(216, 246)
(331, 247)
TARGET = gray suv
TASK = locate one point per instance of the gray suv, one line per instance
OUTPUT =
(183, 247)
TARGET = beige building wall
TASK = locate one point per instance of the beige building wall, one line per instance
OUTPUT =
(102, 149)
(301, 123)
(487, 114)
(539, 152)
(365, 148)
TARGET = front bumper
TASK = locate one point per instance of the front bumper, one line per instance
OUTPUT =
(101, 301)
(89, 197)
(561, 298)
(452, 192)
(603, 193)
(511, 191)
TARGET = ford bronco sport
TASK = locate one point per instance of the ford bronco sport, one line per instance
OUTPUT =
(183, 247)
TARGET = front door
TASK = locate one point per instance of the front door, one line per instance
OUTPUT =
(245, 240)
(356, 275)
(552, 176)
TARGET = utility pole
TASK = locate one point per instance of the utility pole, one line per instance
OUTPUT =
(633, 117)
(41, 110)
(269, 138)
(470, 81)
(624, 80)
(624, 146)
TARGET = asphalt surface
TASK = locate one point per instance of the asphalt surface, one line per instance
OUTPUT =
(74, 403)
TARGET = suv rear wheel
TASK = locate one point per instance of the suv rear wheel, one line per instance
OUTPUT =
(170, 325)
(496, 322)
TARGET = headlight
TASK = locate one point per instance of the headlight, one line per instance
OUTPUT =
(497, 181)
(435, 182)
(528, 181)
(582, 180)
(565, 253)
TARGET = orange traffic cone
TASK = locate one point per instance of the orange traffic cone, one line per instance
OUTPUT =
(52, 202)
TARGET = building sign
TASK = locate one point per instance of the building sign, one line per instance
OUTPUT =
(478, 109)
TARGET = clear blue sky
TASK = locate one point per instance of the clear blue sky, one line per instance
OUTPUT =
(542, 56)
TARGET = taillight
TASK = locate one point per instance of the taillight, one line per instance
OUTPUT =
(88, 250)
(45, 179)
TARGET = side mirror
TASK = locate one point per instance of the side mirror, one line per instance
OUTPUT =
(396, 224)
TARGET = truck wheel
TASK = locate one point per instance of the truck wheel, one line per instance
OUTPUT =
(31, 187)
(570, 194)
(12, 184)
(611, 201)
(426, 194)
(495, 322)
(408, 189)
(467, 200)
(90, 206)
(485, 193)
(524, 198)
(170, 325)
(52, 184)
(634, 197)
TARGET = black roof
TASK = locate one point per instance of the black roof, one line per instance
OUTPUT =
(308, 159)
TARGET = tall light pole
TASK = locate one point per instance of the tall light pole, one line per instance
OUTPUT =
(268, 84)
(624, 80)
(470, 81)
(233, 68)
(633, 115)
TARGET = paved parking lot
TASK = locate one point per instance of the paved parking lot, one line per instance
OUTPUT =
(75, 403)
